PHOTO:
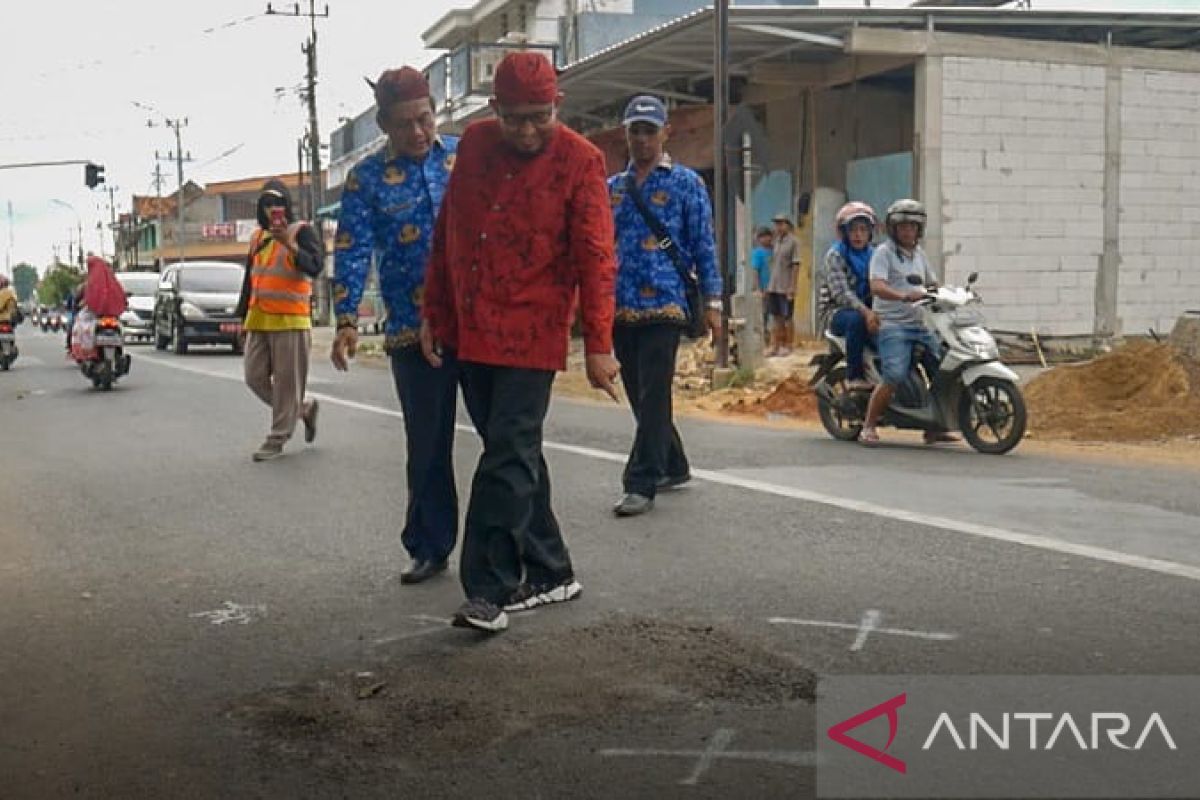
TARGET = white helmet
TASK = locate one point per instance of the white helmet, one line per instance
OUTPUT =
(905, 211)
(852, 211)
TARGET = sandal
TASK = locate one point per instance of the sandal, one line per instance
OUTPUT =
(869, 437)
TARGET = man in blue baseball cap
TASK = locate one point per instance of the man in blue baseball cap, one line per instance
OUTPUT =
(664, 228)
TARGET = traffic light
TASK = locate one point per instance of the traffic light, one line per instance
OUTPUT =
(93, 174)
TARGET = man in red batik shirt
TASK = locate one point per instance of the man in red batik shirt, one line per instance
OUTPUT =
(525, 227)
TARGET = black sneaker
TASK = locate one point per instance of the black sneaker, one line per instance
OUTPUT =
(527, 596)
(668, 482)
(480, 614)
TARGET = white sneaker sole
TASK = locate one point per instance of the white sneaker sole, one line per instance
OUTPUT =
(559, 594)
(491, 626)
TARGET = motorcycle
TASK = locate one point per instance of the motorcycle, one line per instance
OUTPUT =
(972, 391)
(98, 347)
(8, 345)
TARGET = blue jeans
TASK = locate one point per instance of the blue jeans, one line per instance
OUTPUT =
(896, 344)
(427, 397)
(850, 323)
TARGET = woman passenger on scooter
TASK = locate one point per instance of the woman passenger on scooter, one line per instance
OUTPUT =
(846, 293)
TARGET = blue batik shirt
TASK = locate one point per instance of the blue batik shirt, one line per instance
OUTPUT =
(389, 205)
(649, 288)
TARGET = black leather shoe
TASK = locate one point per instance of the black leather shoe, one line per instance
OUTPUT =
(422, 571)
(633, 504)
(669, 482)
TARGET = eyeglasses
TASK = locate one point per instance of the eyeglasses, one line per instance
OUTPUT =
(535, 118)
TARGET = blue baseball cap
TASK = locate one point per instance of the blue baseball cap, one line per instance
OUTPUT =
(646, 108)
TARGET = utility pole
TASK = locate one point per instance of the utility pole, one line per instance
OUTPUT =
(178, 157)
(112, 215)
(309, 49)
(158, 182)
(720, 198)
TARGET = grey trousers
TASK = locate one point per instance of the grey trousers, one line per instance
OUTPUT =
(276, 365)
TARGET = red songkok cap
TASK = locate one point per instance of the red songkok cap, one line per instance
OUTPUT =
(399, 85)
(525, 78)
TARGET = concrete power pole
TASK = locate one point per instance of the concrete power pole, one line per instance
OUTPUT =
(176, 125)
(309, 49)
(720, 198)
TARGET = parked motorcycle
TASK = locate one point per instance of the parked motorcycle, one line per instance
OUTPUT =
(972, 390)
(8, 345)
(98, 347)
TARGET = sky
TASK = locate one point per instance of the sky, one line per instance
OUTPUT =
(80, 79)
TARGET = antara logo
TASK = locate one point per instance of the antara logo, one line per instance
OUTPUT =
(1115, 726)
(888, 707)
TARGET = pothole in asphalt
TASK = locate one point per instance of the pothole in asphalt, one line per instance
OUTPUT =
(442, 705)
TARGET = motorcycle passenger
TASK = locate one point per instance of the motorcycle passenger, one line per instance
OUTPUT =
(902, 326)
(8, 302)
(846, 288)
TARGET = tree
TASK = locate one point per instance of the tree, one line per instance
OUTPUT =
(60, 281)
(25, 280)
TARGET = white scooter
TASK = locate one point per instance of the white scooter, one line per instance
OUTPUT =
(972, 390)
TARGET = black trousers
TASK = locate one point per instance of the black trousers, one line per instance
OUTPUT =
(427, 397)
(647, 356)
(511, 533)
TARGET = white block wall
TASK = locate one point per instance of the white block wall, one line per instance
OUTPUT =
(1023, 188)
(1160, 198)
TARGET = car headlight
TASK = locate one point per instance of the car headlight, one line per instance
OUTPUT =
(129, 317)
(190, 310)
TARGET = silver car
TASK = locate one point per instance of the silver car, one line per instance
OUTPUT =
(138, 319)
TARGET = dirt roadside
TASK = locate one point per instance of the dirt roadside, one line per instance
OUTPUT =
(1139, 404)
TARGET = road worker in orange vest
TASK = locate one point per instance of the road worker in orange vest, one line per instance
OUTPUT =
(285, 255)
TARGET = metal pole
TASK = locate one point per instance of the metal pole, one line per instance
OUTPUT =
(720, 200)
(179, 178)
(748, 210)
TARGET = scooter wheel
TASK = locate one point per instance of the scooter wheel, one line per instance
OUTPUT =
(992, 416)
(838, 425)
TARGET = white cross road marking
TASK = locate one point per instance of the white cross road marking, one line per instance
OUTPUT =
(717, 750)
(427, 620)
(232, 612)
(868, 625)
(1038, 541)
(870, 621)
(718, 744)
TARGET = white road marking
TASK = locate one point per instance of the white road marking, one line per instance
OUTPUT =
(870, 621)
(718, 744)
(716, 751)
(1038, 541)
(428, 620)
(232, 612)
(868, 625)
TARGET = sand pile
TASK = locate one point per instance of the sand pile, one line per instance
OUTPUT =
(791, 398)
(1143, 390)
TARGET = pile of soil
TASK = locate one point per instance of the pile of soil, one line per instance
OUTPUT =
(1142, 390)
(792, 397)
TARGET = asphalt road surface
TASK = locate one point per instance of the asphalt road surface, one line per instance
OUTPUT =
(177, 621)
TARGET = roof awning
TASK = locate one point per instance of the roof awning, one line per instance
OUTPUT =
(675, 60)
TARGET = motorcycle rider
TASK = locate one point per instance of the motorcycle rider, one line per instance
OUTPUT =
(846, 290)
(902, 326)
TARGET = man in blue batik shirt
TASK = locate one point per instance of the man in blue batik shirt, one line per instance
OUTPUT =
(389, 204)
(651, 303)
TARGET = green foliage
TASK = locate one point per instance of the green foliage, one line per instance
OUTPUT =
(59, 282)
(741, 378)
(25, 280)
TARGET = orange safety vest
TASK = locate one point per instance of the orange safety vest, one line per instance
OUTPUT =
(277, 286)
